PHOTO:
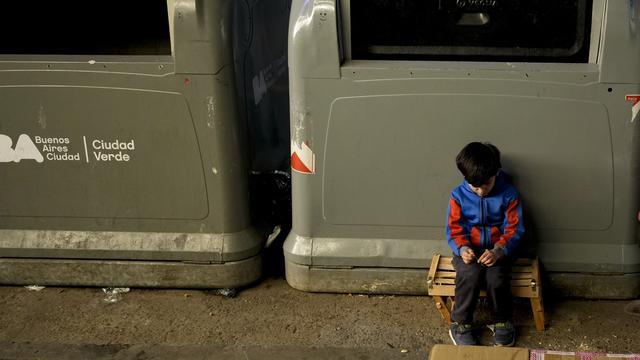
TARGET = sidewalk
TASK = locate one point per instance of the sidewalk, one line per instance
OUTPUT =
(273, 319)
(22, 351)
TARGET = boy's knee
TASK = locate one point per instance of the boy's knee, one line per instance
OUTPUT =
(468, 272)
(496, 279)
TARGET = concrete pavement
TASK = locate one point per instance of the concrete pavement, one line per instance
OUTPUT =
(32, 351)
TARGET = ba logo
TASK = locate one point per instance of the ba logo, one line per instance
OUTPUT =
(25, 149)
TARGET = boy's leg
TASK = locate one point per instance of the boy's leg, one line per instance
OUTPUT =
(498, 278)
(468, 283)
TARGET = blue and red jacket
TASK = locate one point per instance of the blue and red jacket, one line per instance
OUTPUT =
(485, 222)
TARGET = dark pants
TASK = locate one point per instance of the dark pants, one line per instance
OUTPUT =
(470, 278)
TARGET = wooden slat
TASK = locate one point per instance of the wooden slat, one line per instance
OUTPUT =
(434, 266)
(445, 274)
(434, 263)
(521, 291)
(521, 282)
(442, 290)
(536, 270)
(517, 262)
(538, 313)
(441, 305)
(452, 275)
(524, 261)
(442, 266)
(444, 281)
(521, 276)
(522, 269)
(448, 289)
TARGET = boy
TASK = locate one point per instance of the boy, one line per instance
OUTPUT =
(484, 227)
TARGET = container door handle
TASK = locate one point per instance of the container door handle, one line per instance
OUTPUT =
(474, 19)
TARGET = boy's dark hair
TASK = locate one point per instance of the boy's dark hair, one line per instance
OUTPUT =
(478, 162)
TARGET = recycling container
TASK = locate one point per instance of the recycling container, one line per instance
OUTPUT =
(123, 158)
(384, 94)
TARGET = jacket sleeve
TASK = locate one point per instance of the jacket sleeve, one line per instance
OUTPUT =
(457, 236)
(513, 226)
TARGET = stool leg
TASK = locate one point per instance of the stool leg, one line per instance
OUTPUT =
(538, 313)
(441, 305)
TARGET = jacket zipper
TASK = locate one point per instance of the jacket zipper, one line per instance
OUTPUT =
(483, 234)
(487, 235)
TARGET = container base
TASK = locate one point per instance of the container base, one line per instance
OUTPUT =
(405, 281)
(112, 273)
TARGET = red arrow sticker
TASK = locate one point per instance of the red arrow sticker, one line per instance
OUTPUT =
(635, 99)
(303, 159)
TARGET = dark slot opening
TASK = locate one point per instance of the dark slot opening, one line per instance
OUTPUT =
(472, 30)
(139, 27)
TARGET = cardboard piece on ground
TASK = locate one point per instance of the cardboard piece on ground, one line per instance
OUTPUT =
(537, 354)
(561, 357)
(452, 352)
(579, 357)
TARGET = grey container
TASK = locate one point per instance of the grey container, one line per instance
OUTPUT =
(374, 141)
(128, 170)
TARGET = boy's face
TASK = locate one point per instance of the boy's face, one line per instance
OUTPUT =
(485, 188)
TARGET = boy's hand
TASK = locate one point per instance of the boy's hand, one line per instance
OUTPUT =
(467, 255)
(490, 257)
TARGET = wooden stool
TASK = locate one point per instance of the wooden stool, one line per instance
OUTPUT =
(525, 283)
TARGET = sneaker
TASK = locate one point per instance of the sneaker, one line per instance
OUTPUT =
(504, 334)
(462, 334)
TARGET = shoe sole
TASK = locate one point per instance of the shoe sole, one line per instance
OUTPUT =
(452, 339)
(505, 345)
